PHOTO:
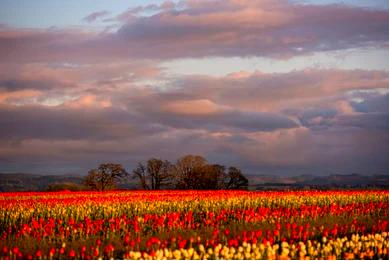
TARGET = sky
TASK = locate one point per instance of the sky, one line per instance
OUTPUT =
(271, 87)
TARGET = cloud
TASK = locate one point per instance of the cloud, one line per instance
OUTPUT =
(19, 96)
(96, 15)
(55, 83)
(88, 101)
(84, 119)
(235, 119)
(274, 92)
(115, 107)
(37, 46)
(287, 151)
(365, 121)
(373, 102)
(179, 111)
(193, 107)
(268, 28)
(317, 118)
(278, 29)
(167, 5)
(72, 97)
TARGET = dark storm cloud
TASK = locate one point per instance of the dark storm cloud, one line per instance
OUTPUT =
(366, 121)
(376, 103)
(61, 123)
(20, 84)
(317, 118)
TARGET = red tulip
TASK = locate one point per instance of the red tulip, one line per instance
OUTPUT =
(182, 243)
(15, 250)
(72, 253)
(126, 239)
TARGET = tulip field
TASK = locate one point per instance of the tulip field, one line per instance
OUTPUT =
(195, 225)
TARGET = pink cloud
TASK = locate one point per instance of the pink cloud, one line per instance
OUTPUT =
(88, 101)
(21, 96)
(277, 29)
(280, 91)
(109, 95)
(193, 107)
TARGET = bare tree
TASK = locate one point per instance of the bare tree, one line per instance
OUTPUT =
(236, 180)
(219, 176)
(190, 172)
(105, 176)
(141, 174)
(155, 175)
(187, 171)
(209, 177)
(159, 172)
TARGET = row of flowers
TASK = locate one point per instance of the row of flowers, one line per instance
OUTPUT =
(40, 228)
(370, 246)
(19, 208)
(195, 225)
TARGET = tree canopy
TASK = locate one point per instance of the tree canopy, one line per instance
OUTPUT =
(189, 172)
(104, 177)
(156, 174)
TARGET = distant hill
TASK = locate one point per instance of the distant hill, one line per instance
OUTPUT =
(34, 182)
(319, 182)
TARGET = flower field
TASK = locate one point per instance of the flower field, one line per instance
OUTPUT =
(195, 225)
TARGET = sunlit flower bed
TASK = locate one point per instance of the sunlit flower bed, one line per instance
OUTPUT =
(195, 225)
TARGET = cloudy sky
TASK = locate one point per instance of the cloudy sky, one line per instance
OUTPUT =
(270, 86)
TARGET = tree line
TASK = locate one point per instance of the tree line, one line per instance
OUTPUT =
(189, 172)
